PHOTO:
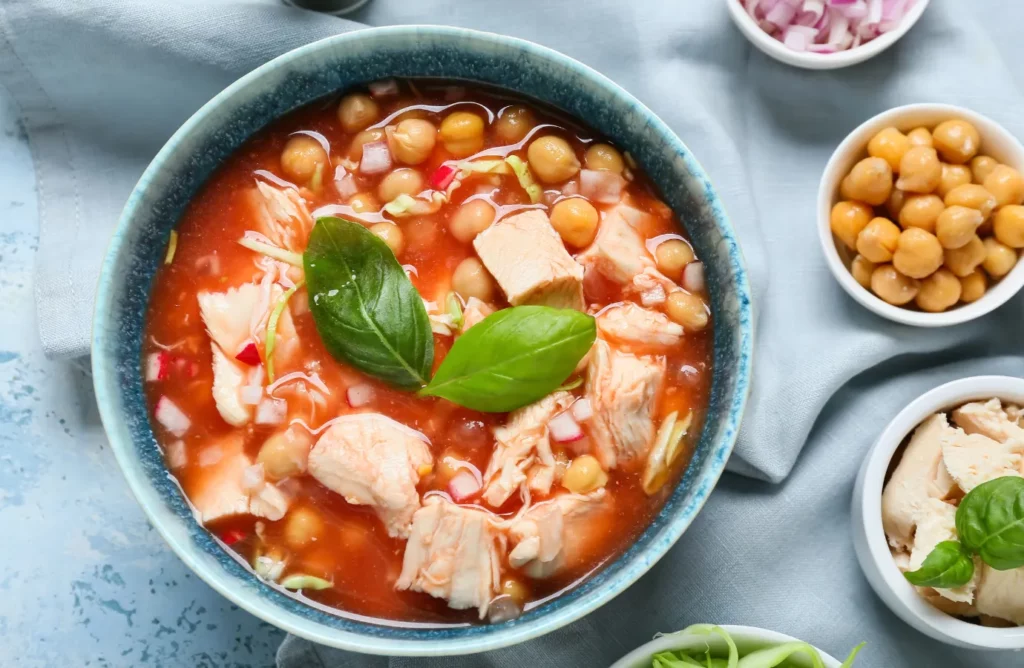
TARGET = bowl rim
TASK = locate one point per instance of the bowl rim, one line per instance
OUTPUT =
(821, 61)
(872, 546)
(739, 633)
(854, 144)
(733, 406)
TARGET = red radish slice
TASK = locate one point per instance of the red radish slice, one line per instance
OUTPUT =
(383, 88)
(249, 355)
(601, 185)
(171, 417)
(564, 429)
(582, 410)
(693, 277)
(158, 366)
(463, 486)
(442, 177)
(271, 411)
(359, 395)
(376, 158)
(232, 536)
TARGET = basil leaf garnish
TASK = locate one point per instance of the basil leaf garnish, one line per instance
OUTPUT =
(990, 521)
(948, 565)
(366, 310)
(513, 357)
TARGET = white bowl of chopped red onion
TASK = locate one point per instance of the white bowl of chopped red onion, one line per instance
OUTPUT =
(824, 34)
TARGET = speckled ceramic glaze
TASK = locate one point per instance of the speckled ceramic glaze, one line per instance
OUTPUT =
(330, 66)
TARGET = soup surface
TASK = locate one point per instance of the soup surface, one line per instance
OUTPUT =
(372, 499)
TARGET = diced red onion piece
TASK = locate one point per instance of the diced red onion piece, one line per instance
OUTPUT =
(252, 477)
(582, 410)
(359, 395)
(171, 417)
(383, 88)
(209, 264)
(601, 185)
(442, 177)
(271, 411)
(158, 366)
(564, 429)
(503, 608)
(571, 188)
(834, 25)
(463, 486)
(345, 183)
(693, 277)
(252, 395)
(249, 354)
(176, 455)
(210, 455)
(376, 158)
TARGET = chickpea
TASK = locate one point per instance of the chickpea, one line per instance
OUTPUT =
(413, 141)
(514, 123)
(303, 526)
(471, 219)
(472, 280)
(1006, 184)
(604, 157)
(981, 167)
(972, 196)
(552, 159)
(956, 141)
(921, 211)
(301, 157)
(920, 137)
(999, 258)
(1009, 225)
(892, 286)
(973, 286)
(516, 590)
(920, 170)
(584, 475)
(672, 257)
(938, 292)
(402, 181)
(357, 111)
(957, 225)
(894, 205)
(462, 133)
(918, 253)
(869, 181)
(952, 176)
(848, 219)
(687, 310)
(364, 203)
(878, 240)
(284, 453)
(964, 260)
(889, 144)
(862, 268)
(390, 234)
(355, 149)
(575, 220)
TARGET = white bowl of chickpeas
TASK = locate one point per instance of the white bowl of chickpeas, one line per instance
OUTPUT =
(920, 214)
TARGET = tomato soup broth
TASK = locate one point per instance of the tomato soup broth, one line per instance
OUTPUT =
(346, 545)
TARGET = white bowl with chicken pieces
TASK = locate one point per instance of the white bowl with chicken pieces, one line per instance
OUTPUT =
(927, 465)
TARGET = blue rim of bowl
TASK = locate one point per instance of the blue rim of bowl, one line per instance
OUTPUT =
(291, 614)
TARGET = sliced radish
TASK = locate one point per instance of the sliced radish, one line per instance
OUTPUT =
(171, 417)
(383, 88)
(564, 428)
(359, 395)
(376, 158)
(271, 411)
(582, 410)
(442, 177)
(232, 536)
(249, 354)
(600, 185)
(158, 366)
(463, 486)
(693, 277)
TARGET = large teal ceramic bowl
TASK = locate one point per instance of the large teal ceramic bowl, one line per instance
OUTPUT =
(332, 65)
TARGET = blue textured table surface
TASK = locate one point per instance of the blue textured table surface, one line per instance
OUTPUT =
(98, 586)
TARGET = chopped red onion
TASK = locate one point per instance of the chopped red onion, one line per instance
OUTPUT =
(345, 183)
(463, 486)
(503, 608)
(564, 428)
(383, 88)
(601, 185)
(271, 411)
(582, 410)
(210, 455)
(158, 366)
(693, 277)
(359, 395)
(176, 455)
(171, 417)
(376, 158)
(252, 395)
(827, 26)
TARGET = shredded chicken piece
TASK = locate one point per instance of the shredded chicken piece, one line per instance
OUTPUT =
(936, 522)
(282, 216)
(549, 536)
(221, 490)
(630, 324)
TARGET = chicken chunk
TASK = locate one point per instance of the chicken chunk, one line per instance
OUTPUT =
(229, 376)
(653, 287)
(370, 459)
(220, 489)
(631, 325)
(936, 522)
(623, 389)
(972, 459)
(474, 312)
(281, 216)
(527, 259)
(1001, 594)
(555, 534)
(453, 553)
(523, 450)
(988, 419)
(618, 250)
(920, 476)
(232, 317)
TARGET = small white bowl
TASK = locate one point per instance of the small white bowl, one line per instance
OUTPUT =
(996, 141)
(747, 639)
(820, 61)
(869, 540)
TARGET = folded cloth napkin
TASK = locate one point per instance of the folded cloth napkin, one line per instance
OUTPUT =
(103, 84)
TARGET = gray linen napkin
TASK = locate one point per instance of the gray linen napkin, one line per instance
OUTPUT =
(103, 84)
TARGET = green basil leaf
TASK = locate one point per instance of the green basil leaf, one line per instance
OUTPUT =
(948, 565)
(513, 357)
(366, 310)
(990, 521)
